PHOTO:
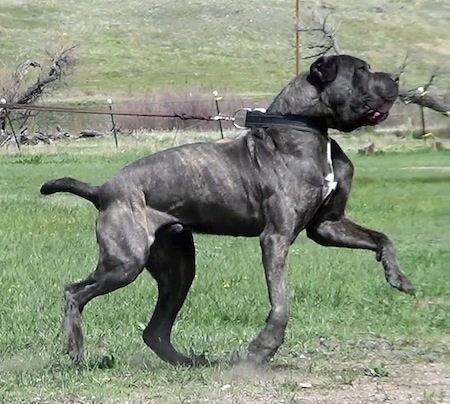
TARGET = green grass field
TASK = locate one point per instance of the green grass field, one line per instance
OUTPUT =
(348, 333)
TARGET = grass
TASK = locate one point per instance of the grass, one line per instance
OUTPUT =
(346, 323)
(130, 47)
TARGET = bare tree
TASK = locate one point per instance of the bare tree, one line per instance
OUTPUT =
(321, 37)
(21, 89)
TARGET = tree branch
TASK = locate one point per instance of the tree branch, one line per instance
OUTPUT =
(421, 96)
(60, 62)
(19, 91)
(327, 42)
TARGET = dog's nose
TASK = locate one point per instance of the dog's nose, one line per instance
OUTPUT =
(394, 77)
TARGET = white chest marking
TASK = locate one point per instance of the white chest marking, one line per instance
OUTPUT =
(330, 184)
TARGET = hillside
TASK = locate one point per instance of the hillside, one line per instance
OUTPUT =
(246, 47)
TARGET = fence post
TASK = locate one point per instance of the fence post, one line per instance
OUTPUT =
(3, 101)
(109, 100)
(216, 100)
(422, 91)
(422, 120)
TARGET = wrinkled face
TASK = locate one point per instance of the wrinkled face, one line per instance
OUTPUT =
(354, 95)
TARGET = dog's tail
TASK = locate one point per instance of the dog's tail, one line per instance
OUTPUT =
(83, 189)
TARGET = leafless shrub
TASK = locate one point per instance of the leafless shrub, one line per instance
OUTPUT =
(31, 80)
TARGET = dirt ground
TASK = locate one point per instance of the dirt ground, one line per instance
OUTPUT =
(418, 383)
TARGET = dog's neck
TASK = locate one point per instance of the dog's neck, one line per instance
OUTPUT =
(302, 99)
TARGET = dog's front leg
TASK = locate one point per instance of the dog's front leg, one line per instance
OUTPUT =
(345, 233)
(331, 228)
(274, 253)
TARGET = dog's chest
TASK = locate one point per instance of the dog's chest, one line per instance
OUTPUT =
(309, 168)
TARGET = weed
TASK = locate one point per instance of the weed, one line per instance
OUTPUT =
(376, 371)
(33, 160)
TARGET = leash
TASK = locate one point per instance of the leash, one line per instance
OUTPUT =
(242, 119)
(71, 110)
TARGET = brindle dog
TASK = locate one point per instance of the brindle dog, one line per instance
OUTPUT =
(270, 183)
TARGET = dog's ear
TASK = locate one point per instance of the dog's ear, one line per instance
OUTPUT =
(323, 71)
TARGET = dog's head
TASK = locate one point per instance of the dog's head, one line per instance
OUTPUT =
(342, 91)
(352, 93)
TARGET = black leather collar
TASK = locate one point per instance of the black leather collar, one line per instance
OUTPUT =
(258, 119)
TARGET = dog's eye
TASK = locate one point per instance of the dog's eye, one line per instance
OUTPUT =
(364, 67)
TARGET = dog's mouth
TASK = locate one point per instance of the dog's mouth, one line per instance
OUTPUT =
(376, 115)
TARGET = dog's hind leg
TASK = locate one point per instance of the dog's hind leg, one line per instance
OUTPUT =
(172, 264)
(124, 243)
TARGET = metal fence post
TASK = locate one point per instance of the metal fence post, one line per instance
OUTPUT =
(3, 101)
(422, 120)
(216, 100)
(109, 100)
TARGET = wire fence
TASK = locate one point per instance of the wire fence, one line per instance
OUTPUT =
(194, 111)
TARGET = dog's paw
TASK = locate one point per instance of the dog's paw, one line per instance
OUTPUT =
(73, 348)
(402, 283)
(74, 354)
(257, 354)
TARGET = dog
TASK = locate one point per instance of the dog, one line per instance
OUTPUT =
(271, 183)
